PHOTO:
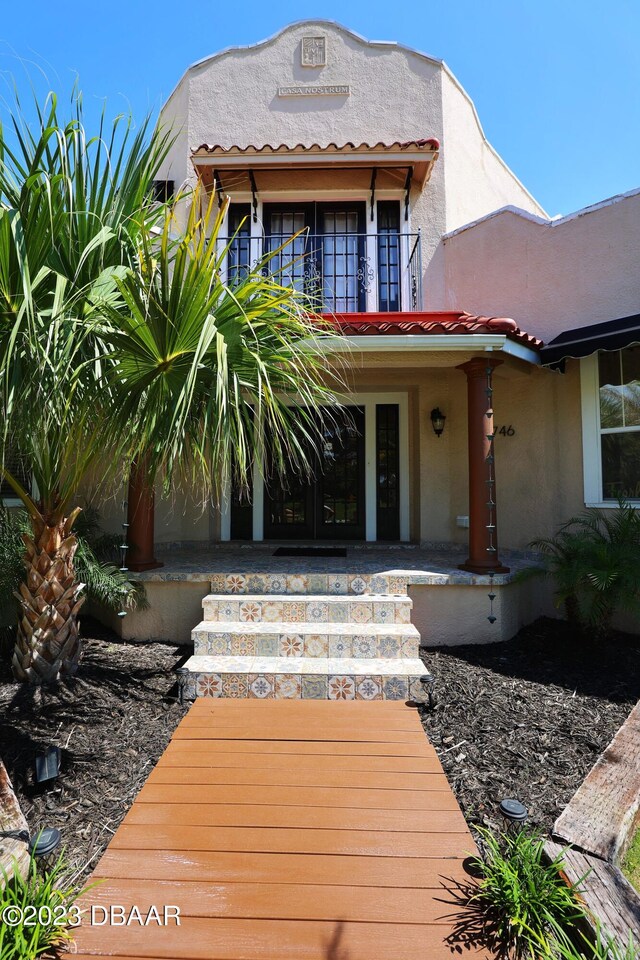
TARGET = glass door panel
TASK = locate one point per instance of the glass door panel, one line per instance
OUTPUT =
(387, 471)
(342, 260)
(330, 505)
(328, 260)
(239, 240)
(340, 487)
(388, 255)
(295, 265)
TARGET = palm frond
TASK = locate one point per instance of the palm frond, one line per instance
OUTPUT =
(72, 208)
(594, 560)
(207, 372)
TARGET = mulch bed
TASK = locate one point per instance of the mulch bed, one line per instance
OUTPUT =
(529, 718)
(526, 719)
(112, 721)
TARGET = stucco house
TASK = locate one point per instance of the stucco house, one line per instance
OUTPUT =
(491, 351)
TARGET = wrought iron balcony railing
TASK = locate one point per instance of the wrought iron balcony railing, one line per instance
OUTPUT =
(345, 272)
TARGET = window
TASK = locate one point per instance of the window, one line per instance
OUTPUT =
(388, 471)
(162, 190)
(610, 384)
(240, 231)
(388, 255)
(619, 409)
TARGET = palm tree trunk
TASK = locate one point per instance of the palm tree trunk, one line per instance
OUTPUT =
(47, 644)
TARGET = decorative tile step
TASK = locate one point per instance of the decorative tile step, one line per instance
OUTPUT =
(337, 584)
(305, 677)
(320, 608)
(387, 640)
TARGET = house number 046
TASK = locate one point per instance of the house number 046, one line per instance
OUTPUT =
(505, 431)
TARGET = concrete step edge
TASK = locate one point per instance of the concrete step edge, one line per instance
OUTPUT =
(286, 627)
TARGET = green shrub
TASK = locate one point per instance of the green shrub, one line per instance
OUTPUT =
(51, 896)
(521, 897)
(579, 946)
(594, 560)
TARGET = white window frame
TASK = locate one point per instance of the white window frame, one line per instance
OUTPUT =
(591, 434)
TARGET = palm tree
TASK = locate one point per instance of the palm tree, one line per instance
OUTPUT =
(122, 344)
(71, 209)
(207, 370)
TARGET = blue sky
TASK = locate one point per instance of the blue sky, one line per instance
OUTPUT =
(556, 82)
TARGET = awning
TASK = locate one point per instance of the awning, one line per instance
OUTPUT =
(583, 341)
(416, 157)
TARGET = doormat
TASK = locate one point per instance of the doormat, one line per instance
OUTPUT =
(310, 552)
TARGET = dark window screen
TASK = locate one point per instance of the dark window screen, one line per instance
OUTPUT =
(240, 230)
(388, 255)
(387, 471)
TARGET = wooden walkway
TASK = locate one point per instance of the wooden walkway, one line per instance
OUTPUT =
(285, 830)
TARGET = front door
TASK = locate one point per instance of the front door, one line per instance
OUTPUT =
(330, 505)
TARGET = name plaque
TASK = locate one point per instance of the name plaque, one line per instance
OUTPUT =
(316, 90)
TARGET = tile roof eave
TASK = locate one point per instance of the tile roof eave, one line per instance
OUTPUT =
(430, 324)
(430, 144)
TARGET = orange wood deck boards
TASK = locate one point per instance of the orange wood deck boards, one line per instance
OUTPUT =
(245, 815)
(386, 799)
(356, 780)
(303, 830)
(178, 755)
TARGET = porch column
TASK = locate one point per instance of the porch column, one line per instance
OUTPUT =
(140, 517)
(483, 540)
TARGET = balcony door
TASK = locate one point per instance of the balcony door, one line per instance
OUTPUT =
(328, 261)
(330, 505)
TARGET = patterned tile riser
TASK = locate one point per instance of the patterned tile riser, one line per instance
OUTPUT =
(391, 610)
(301, 645)
(312, 583)
(307, 687)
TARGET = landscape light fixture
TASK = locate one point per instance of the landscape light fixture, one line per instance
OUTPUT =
(41, 845)
(437, 421)
(47, 765)
(45, 843)
(513, 812)
(428, 682)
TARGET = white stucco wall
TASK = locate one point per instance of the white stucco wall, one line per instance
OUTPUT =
(549, 275)
(477, 180)
(174, 120)
(396, 94)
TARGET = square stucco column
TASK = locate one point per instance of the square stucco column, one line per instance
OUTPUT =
(483, 540)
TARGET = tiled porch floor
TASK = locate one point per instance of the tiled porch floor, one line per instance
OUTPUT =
(419, 565)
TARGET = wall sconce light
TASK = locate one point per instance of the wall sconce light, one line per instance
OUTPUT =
(437, 421)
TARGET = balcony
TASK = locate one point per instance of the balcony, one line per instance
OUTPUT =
(344, 272)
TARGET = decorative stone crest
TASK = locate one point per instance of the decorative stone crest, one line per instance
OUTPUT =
(313, 52)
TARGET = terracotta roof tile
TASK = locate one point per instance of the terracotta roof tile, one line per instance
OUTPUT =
(425, 324)
(429, 144)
